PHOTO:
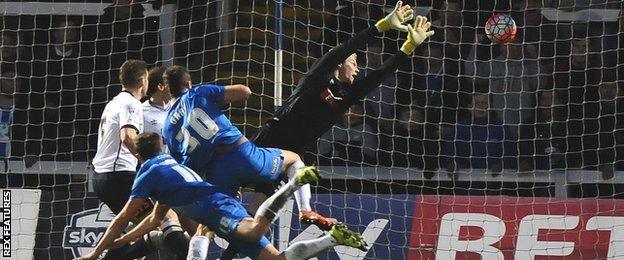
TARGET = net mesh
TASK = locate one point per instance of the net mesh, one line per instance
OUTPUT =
(462, 117)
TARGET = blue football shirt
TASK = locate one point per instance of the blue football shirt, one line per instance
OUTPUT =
(195, 125)
(163, 179)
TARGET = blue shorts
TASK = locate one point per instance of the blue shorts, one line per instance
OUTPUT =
(244, 165)
(222, 214)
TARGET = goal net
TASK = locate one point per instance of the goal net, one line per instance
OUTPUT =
(471, 149)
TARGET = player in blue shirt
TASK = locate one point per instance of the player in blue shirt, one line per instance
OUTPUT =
(201, 137)
(174, 186)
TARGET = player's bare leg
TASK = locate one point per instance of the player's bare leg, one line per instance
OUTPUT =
(292, 163)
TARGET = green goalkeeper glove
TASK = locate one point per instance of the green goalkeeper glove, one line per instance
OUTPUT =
(416, 35)
(396, 18)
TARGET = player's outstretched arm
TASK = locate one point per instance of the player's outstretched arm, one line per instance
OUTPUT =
(148, 224)
(132, 209)
(395, 20)
(416, 34)
(235, 93)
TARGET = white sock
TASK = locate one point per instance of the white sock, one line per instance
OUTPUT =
(303, 194)
(309, 248)
(198, 248)
(271, 206)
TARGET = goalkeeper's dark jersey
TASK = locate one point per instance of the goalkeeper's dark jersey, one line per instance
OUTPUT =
(320, 99)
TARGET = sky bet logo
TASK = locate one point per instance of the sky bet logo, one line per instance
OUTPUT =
(85, 229)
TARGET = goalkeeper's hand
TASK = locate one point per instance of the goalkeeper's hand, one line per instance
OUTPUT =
(416, 35)
(396, 18)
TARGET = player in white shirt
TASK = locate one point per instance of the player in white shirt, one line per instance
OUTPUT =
(155, 106)
(115, 164)
(122, 121)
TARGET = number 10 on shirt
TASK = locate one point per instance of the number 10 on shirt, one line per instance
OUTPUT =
(202, 124)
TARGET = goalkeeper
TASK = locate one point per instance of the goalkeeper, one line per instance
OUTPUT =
(328, 90)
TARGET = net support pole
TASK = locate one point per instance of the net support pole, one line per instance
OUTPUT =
(226, 12)
(277, 101)
(561, 184)
(167, 37)
(277, 90)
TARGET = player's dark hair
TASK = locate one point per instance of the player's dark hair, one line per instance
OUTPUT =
(176, 77)
(148, 145)
(131, 72)
(155, 78)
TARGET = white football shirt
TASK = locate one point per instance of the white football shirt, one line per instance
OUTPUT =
(112, 155)
(154, 119)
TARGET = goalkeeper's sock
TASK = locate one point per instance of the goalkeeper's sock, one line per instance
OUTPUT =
(309, 248)
(303, 194)
(175, 239)
(198, 248)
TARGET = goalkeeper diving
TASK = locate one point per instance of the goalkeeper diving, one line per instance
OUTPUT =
(327, 91)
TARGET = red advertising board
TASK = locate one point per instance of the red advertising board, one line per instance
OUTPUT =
(500, 227)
